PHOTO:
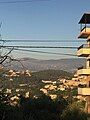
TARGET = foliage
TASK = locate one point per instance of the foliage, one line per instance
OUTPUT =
(73, 112)
(42, 108)
(33, 82)
(51, 75)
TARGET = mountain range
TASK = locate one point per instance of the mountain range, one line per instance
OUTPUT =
(69, 65)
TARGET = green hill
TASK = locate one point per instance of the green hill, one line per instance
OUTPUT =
(51, 75)
(31, 83)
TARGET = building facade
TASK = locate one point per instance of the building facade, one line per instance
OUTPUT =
(84, 51)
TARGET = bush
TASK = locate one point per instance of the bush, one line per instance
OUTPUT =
(73, 112)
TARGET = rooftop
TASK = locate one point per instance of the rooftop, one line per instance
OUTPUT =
(85, 19)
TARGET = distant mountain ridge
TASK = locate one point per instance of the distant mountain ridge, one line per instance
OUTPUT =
(69, 65)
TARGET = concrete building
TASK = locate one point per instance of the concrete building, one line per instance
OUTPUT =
(84, 51)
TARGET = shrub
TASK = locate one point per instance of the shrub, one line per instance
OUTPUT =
(73, 112)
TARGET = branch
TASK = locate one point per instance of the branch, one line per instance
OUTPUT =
(5, 56)
(12, 59)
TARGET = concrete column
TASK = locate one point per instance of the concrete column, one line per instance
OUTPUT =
(88, 97)
(87, 64)
(88, 42)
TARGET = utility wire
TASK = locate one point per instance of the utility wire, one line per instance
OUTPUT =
(19, 46)
(43, 52)
(23, 1)
(41, 40)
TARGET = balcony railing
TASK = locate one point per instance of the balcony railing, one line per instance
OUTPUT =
(84, 28)
(84, 46)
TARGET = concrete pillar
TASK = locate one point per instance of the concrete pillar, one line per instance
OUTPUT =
(88, 97)
(87, 64)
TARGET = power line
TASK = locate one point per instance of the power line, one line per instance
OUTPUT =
(20, 40)
(23, 1)
(44, 52)
(19, 46)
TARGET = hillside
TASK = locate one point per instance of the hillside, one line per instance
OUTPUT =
(32, 83)
(69, 65)
(51, 75)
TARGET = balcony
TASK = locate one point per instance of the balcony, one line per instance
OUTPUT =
(83, 50)
(83, 71)
(85, 32)
(84, 91)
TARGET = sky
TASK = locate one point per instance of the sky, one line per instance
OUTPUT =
(42, 20)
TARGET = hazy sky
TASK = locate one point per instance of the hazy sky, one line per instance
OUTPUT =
(43, 20)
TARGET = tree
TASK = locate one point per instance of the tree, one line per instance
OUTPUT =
(73, 112)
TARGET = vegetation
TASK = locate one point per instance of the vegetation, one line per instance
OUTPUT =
(73, 112)
(42, 108)
(33, 81)
(51, 75)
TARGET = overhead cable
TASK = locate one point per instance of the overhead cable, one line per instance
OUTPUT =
(22, 1)
(22, 46)
(25, 40)
(36, 51)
